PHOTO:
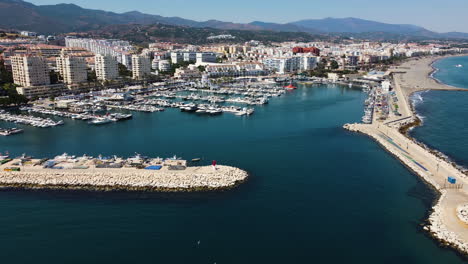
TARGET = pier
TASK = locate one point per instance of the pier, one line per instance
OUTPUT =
(446, 223)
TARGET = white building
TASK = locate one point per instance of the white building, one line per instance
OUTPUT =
(106, 67)
(73, 69)
(28, 34)
(202, 57)
(164, 65)
(141, 67)
(291, 64)
(30, 70)
(119, 49)
(191, 72)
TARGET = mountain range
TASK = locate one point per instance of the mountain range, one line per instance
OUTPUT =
(65, 18)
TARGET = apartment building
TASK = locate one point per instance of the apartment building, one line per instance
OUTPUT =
(106, 67)
(30, 70)
(141, 67)
(73, 69)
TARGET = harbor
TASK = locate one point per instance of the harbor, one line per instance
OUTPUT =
(113, 105)
(445, 224)
(136, 173)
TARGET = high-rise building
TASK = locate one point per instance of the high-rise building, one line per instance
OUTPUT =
(106, 67)
(73, 69)
(141, 67)
(30, 70)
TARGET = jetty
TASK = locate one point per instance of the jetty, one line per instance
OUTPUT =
(136, 173)
(448, 219)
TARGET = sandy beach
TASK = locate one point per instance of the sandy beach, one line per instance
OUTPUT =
(446, 223)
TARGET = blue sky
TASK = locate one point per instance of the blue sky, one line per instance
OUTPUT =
(441, 16)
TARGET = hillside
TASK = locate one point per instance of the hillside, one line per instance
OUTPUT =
(144, 34)
(64, 18)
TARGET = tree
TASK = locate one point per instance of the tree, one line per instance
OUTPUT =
(5, 75)
(12, 96)
(201, 68)
(334, 65)
(92, 76)
(123, 71)
(54, 77)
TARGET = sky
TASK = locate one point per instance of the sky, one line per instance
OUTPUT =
(440, 16)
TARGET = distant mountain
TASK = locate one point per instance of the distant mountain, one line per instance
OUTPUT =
(284, 27)
(64, 18)
(356, 25)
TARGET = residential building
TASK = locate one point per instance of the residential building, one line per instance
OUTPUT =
(119, 49)
(190, 72)
(141, 67)
(164, 65)
(202, 57)
(73, 69)
(106, 67)
(30, 70)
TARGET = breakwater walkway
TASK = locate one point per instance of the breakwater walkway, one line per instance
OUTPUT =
(189, 179)
(447, 221)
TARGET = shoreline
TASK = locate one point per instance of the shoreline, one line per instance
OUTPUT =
(444, 224)
(435, 70)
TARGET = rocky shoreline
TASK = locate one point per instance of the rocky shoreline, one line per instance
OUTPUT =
(441, 213)
(435, 227)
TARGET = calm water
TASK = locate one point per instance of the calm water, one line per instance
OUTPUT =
(445, 113)
(317, 193)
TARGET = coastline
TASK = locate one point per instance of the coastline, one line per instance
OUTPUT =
(444, 224)
(435, 70)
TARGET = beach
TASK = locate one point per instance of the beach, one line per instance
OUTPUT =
(446, 223)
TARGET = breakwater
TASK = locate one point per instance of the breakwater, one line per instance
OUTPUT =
(446, 222)
(190, 179)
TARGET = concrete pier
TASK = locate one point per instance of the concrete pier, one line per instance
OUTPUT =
(447, 221)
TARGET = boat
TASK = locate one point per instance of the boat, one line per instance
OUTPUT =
(290, 87)
(196, 160)
(459, 66)
(100, 121)
(10, 131)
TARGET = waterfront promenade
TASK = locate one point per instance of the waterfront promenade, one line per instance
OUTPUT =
(445, 223)
(189, 179)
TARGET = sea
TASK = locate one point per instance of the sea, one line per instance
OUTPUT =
(316, 192)
(444, 113)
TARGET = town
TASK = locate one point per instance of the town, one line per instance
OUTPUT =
(84, 77)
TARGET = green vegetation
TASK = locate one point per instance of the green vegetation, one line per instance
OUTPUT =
(92, 76)
(8, 93)
(334, 65)
(5, 75)
(9, 96)
(144, 34)
(54, 77)
(123, 71)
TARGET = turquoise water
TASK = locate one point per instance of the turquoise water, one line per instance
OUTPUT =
(317, 193)
(450, 74)
(445, 112)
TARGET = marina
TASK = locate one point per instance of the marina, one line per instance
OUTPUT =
(285, 146)
(29, 120)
